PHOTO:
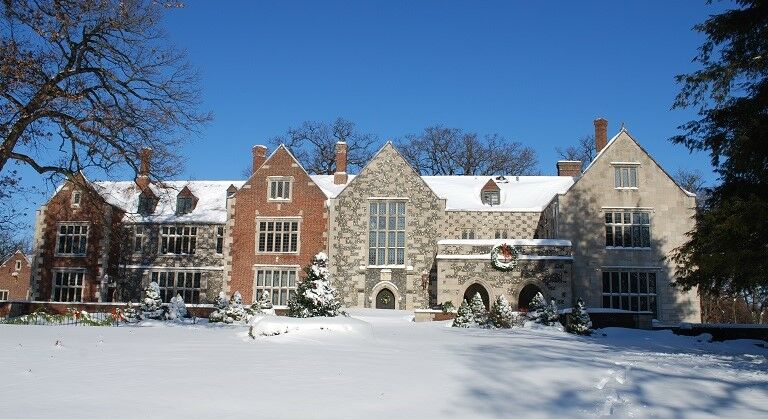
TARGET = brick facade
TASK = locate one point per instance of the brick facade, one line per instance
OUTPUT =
(253, 203)
(15, 274)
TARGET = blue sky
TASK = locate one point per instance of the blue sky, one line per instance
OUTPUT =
(534, 72)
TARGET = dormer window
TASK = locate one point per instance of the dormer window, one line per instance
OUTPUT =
(184, 204)
(185, 201)
(147, 203)
(491, 198)
(280, 189)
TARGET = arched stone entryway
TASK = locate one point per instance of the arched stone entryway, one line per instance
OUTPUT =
(385, 299)
(475, 289)
(526, 295)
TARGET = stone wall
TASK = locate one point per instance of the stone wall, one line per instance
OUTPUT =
(486, 224)
(387, 175)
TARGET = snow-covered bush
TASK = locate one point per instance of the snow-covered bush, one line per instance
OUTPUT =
(152, 305)
(315, 297)
(551, 317)
(177, 310)
(541, 312)
(448, 307)
(222, 302)
(479, 313)
(501, 315)
(234, 311)
(580, 323)
(262, 305)
(536, 307)
(464, 317)
(130, 314)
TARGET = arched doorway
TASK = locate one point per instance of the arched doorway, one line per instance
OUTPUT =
(526, 295)
(475, 289)
(385, 299)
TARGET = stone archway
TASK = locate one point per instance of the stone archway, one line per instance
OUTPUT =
(526, 295)
(475, 289)
(385, 299)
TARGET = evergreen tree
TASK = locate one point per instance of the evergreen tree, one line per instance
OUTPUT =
(727, 252)
(479, 313)
(130, 314)
(464, 317)
(550, 315)
(177, 310)
(536, 308)
(580, 322)
(152, 305)
(315, 297)
(222, 303)
(501, 315)
(234, 312)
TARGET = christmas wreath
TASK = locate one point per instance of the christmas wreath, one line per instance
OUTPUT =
(504, 257)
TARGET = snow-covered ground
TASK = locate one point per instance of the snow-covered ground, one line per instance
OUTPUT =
(393, 368)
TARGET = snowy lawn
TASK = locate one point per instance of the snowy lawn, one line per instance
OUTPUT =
(393, 368)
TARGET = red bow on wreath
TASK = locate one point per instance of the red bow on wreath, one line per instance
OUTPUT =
(506, 251)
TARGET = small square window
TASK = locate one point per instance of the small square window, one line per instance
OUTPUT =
(280, 189)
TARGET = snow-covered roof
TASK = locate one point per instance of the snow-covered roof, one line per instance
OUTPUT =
(330, 189)
(516, 193)
(211, 197)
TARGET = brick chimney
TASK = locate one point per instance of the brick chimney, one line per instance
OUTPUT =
(601, 134)
(259, 156)
(340, 177)
(569, 168)
(142, 181)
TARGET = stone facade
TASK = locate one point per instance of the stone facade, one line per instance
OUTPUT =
(15, 274)
(490, 224)
(386, 178)
(582, 210)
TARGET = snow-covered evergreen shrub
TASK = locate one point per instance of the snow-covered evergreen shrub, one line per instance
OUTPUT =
(152, 305)
(501, 315)
(536, 308)
(448, 307)
(479, 313)
(580, 323)
(177, 310)
(464, 317)
(222, 302)
(315, 297)
(234, 312)
(130, 314)
(550, 316)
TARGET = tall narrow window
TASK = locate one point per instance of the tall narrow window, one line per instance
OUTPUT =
(72, 239)
(3, 295)
(18, 265)
(76, 198)
(138, 238)
(219, 240)
(625, 177)
(386, 233)
(278, 236)
(628, 229)
(67, 286)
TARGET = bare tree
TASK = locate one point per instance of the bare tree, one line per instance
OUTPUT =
(314, 145)
(86, 84)
(690, 180)
(584, 150)
(440, 150)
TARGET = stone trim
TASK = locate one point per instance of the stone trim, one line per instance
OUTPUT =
(390, 286)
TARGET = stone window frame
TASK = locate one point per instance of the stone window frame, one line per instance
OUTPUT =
(190, 293)
(273, 190)
(77, 197)
(626, 175)
(386, 247)
(219, 240)
(631, 224)
(18, 265)
(501, 234)
(187, 248)
(70, 288)
(624, 290)
(467, 234)
(4, 295)
(285, 291)
(82, 237)
(298, 220)
(139, 242)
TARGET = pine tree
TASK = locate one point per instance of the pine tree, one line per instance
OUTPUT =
(479, 313)
(234, 312)
(464, 317)
(580, 322)
(501, 315)
(130, 314)
(550, 315)
(315, 297)
(222, 302)
(536, 308)
(177, 310)
(152, 305)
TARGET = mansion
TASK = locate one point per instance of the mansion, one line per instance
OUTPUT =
(395, 239)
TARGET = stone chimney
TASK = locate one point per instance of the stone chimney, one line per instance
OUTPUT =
(569, 168)
(259, 156)
(340, 177)
(601, 134)
(142, 181)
